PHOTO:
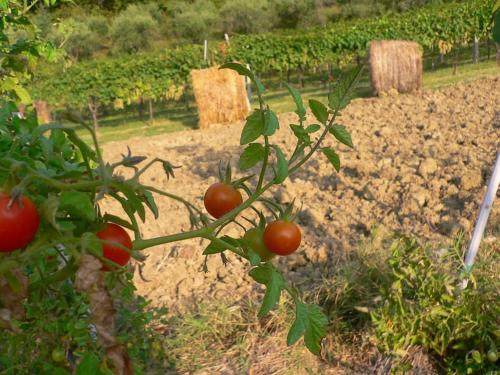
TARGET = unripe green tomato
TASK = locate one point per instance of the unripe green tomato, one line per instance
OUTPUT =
(492, 355)
(255, 240)
(58, 355)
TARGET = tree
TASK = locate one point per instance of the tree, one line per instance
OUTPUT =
(195, 21)
(134, 29)
(243, 16)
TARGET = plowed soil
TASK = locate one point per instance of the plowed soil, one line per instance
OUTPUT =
(420, 165)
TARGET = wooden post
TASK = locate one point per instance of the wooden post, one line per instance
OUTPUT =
(205, 50)
(93, 108)
(151, 113)
(475, 51)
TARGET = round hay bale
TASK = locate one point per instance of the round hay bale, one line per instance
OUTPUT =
(221, 96)
(395, 64)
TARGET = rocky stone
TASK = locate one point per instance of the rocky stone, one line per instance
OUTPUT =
(471, 179)
(428, 167)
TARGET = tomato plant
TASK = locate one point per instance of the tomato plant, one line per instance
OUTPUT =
(69, 178)
(19, 222)
(118, 244)
(282, 237)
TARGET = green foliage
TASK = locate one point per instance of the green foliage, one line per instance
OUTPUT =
(242, 16)
(134, 29)
(126, 79)
(422, 304)
(194, 20)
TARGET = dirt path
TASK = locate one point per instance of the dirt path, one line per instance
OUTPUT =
(420, 165)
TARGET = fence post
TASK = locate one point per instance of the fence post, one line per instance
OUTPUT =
(475, 51)
(482, 220)
(248, 84)
(205, 50)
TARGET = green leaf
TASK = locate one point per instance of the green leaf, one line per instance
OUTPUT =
(332, 156)
(90, 243)
(282, 166)
(273, 280)
(118, 220)
(341, 133)
(82, 146)
(319, 110)
(253, 128)
(311, 322)
(77, 203)
(216, 247)
(339, 98)
(22, 94)
(150, 202)
(301, 134)
(244, 71)
(312, 128)
(133, 200)
(301, 111)
(251, 156)
(253, 257)
(48, 210)
(13, 282)
(89, 364)
(272, 123)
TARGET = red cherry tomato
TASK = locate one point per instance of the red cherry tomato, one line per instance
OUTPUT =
(113, 232)
(221, 198)
(18, 223)
(282, 237)
(253, 238)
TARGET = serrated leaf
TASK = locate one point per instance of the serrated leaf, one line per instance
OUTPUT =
(77, 203)
(272, 123)
(340, 96)
(118, 220)
(244, 71)
(251, 156)
(332, 157)
(134, 202)
(319, 110)
(282, 166)
(216, 247)
(312, 128)
(253, 129)
(22, 94)
(301, 110)
(150, 202)
(300, 133)
(310, 322)
(48, 210)
(89, 364)
(253, 257)
(273, 280)
(90, 243)
(342, 135)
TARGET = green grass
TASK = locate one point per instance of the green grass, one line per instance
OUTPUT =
(176, 116)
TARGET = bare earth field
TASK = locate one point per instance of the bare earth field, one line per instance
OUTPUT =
(420, 165)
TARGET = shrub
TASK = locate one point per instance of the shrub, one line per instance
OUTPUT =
(134, 29)
(423, 305)
(242, 16)
(195, 21)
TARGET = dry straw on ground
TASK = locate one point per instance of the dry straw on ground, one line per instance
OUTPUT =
(395, 65)
(220, 96)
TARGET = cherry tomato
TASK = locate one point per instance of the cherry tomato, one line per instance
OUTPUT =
(492, 355)
(113, 232)
(221, 198)
(18, 223)
(282, 237)
(58, 355)
(254, 239)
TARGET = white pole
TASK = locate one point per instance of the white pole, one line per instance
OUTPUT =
(248, 84)
(475, 53)
(205, 50)
(226, 37)
(483, 217)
